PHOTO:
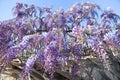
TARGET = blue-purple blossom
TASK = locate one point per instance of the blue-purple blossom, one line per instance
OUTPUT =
(77, 31)
(59, 38)
(76, 50)
(40, 60)
(13, 51)
(50, 55)
(74, 8)
(28, 67)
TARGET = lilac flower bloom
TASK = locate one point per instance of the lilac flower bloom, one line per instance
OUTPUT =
(40, 59)
(51, 52)
(78, 31)
(76, 50)
(13, 51)
(28, 66)
(58, 37)
(49, 37)
(74, 8)
(108, 38)
(59, 17)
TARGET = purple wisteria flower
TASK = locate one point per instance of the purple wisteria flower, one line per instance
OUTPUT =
(13, 51)
(50, 55)
(25, 75)
(59, 39)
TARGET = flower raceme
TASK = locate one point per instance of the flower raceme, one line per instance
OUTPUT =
(13, 51)
(25, 75)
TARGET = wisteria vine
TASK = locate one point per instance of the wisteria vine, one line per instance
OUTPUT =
(59, 38)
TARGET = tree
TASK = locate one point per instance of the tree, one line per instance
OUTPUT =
(60, 39)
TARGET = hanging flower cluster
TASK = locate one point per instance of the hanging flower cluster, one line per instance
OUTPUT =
(59, 38)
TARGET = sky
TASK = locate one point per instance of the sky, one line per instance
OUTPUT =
(7, 5)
